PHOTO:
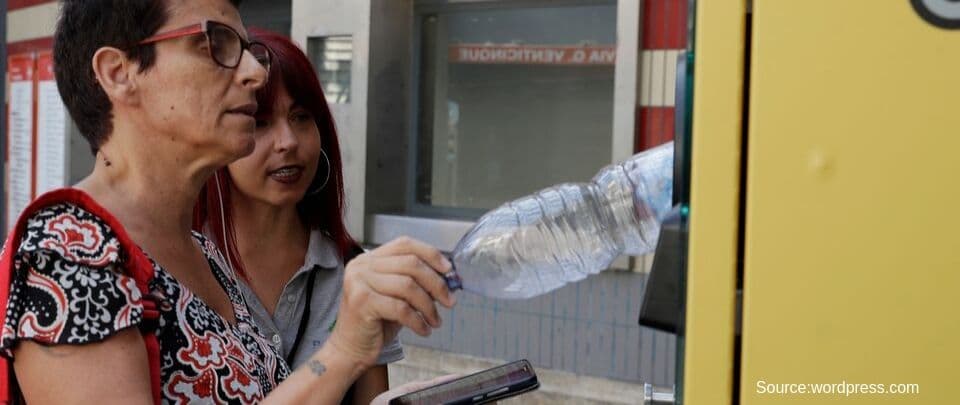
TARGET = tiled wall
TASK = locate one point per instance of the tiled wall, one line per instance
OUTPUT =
(587, 328)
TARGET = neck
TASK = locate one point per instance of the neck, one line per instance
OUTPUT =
(265, 230)
(150, 186)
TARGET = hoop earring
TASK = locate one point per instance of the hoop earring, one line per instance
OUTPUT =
(325, 179)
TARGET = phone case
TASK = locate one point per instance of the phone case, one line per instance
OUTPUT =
(527, 382)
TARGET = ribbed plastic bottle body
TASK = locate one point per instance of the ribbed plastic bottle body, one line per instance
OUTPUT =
(564, 233)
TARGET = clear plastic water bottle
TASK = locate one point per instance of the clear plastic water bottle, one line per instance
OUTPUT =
(562, 234)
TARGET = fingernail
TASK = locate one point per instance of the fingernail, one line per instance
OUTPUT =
(447, 264)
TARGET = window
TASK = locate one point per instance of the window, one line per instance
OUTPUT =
(510, 100)
(273, 15)
(332, 57)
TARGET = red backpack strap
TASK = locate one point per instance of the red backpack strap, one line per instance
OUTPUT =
(7, 386)
(136, 264)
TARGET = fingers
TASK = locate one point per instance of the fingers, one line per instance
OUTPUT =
(428, 254)
(407, 289)
(392, 309)
(396, 284)
(420, 273)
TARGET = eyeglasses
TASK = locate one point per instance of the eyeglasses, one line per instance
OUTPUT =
(225, 44)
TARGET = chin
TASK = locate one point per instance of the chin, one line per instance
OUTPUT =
(242, 146)
(286, 200)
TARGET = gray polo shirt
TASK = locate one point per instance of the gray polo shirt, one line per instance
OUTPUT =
(281, 328)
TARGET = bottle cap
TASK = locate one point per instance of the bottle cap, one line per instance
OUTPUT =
(453, 281)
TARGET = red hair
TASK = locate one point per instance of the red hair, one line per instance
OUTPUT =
(323, 210)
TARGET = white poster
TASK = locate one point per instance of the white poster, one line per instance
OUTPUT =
(20, 137)
(52, 135)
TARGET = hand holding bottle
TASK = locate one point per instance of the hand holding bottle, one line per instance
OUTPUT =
(396, 285)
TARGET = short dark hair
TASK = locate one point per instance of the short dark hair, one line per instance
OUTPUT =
(86, 26)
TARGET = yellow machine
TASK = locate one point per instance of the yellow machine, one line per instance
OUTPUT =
(822, 140)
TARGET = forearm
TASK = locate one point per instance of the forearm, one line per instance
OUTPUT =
(396, 285)
(321, 380)
(373, 382)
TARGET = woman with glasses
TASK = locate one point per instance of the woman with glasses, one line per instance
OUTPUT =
(165, 93)
(277, 215)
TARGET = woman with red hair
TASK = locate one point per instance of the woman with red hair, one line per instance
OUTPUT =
(277, 214)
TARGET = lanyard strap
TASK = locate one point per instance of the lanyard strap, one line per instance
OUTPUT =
(305, 316)
(355, 251)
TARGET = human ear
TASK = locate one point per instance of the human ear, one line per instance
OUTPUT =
(116, 74)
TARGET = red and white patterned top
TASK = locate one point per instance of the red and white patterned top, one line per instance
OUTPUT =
(67, 288)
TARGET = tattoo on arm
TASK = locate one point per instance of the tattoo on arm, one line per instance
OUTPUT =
(317, 367)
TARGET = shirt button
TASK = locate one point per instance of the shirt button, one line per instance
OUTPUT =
(291, 298)
(276, 340)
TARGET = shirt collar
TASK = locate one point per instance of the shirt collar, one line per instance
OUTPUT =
(321, 251)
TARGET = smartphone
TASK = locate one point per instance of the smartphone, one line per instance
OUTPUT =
(486, 386)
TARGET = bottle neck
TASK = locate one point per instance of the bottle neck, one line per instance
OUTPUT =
(639, 194)
(651, 174)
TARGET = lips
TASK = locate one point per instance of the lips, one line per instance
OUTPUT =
(287, 174)
(248, 110)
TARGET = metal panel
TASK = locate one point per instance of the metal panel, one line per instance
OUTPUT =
(388, 105)
(851, 253)
(707, 367)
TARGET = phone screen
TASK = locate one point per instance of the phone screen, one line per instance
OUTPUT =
(518, 374)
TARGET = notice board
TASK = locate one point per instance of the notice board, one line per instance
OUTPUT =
(20, 190)
(52, 137)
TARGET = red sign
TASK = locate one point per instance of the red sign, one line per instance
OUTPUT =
(20, 68)
(45, 66)
(497, 54)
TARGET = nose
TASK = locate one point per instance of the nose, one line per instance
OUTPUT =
(285, 140)
(250, 73)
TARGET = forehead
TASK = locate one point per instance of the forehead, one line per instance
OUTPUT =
(185, 12)
(276, 101)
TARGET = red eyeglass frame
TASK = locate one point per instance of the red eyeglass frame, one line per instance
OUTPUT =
(203, 27)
